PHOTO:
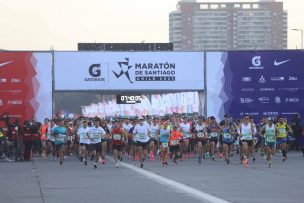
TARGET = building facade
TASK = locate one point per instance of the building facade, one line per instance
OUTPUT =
(228, 26)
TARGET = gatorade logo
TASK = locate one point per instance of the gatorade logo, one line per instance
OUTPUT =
(95, 73)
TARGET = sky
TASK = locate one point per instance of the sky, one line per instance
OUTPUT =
(41, 24)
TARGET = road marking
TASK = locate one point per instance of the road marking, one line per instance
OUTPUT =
(175, 185)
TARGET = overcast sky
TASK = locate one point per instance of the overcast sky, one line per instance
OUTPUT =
(39, 24)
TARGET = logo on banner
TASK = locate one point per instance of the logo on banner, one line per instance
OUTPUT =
(278, 63)
(289, 89)
(246, 100)
(262, 79)
(124, 65)
(270, 113)
(257, 63)
(264, 100)
(246, 79)
(292, 78)
(1, 102)
(15, 80)
(5, 63)
(94, 70)
(247, 89)
(2, 79)
(277, 78)
(266, 89)
(14, 102)
(292, 100)
(95, 73)
(277, 100)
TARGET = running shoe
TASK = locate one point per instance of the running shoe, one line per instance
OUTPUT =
(269, 164)
(95, 166)
(116, 166)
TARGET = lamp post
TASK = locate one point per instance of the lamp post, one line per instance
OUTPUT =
(300, 30)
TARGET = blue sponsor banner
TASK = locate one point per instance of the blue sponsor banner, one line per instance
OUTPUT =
(256, 83)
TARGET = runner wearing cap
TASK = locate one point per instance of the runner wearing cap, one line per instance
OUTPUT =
(84, 140)
(164, 134)
(141, 134)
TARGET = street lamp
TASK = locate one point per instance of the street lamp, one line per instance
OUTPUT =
(301, 30)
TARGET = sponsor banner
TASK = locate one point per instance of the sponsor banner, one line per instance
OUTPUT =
(129, 70)
(258, 83)
(26, 85)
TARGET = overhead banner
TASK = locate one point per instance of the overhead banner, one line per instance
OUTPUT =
(255, 83)
(26, 85)
(129, 71)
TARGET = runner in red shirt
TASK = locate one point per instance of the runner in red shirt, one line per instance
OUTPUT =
(117, 141)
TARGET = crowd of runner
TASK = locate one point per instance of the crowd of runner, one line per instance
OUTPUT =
(154, 139)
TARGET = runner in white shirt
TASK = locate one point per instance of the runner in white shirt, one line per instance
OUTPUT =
(185, 130)
(246, 132)
(96, 134)
(141, 133)
(84, 140)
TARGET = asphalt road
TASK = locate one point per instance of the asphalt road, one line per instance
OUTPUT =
(47, 181)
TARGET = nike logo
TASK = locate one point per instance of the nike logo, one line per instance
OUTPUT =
(276, 63)
(5, 63)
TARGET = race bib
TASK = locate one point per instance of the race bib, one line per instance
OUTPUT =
(96, 136)
(153, 135)
(116, 137)
(270, 139)
(165, 144)
(200, 135)
(141, 135)
(174, 142)
(282, 131)
(185, 134)
(247, 136)
(213, 135)
(227, 136)
(61, 137)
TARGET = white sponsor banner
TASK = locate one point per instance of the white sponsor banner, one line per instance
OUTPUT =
(129, 70)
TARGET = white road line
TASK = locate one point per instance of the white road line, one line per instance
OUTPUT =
(175, 185)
